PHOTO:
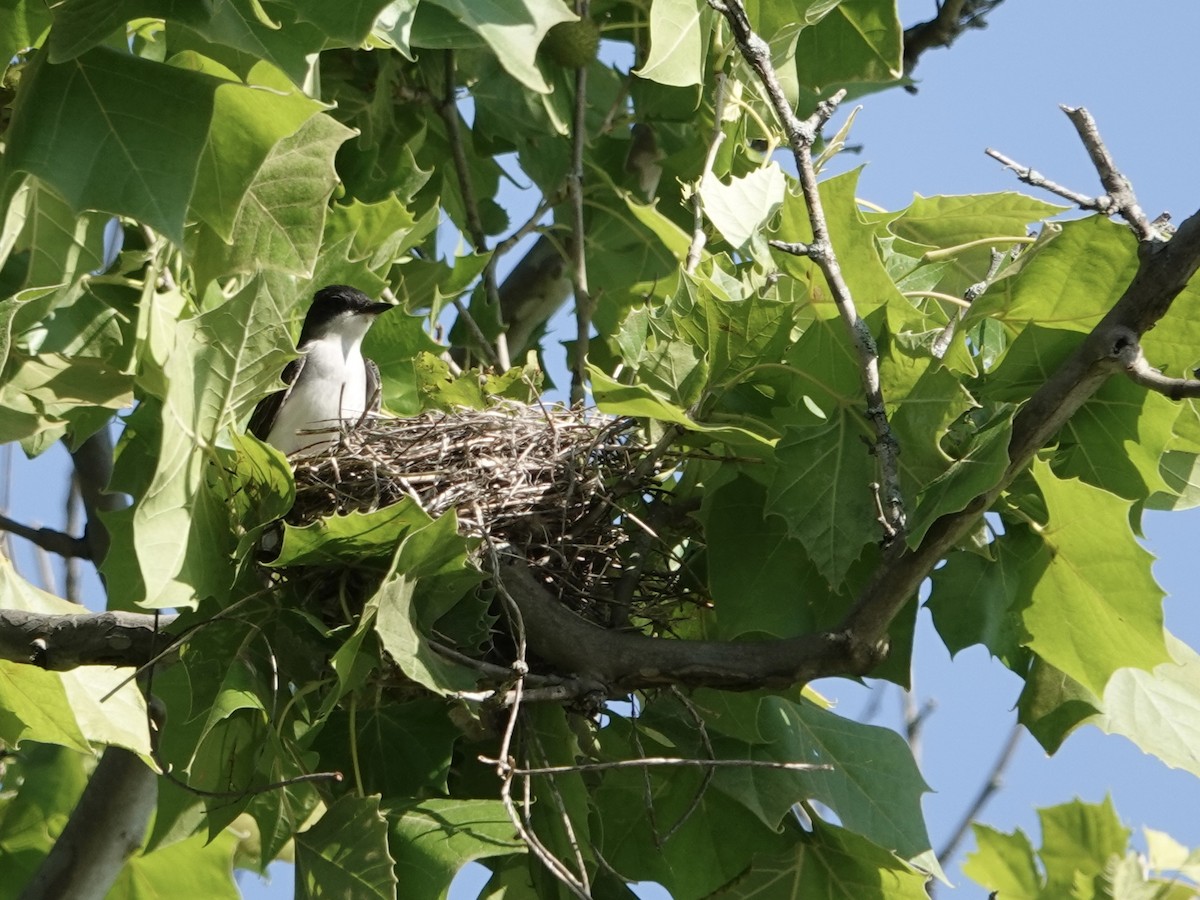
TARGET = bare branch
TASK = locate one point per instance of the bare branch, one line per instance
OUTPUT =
(1120, 191)
(667, 761)
(801, 135)
(448, 110)
(48, 539)
(1036, 179)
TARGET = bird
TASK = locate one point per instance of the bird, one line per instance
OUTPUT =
(330, 382)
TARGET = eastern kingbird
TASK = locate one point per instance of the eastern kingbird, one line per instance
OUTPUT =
(330, 382)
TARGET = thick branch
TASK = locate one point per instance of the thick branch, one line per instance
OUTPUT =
(62, 642)
(619, 662)
(105, 829)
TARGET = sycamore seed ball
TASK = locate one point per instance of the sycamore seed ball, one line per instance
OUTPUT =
(572, 44)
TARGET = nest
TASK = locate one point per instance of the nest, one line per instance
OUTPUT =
(564, 489)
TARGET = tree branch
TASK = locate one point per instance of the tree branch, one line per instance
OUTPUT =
(105, 829)
(991, 784)
(953, 18)
(801, 135)
(1141, 372)
(62, 642)
(48, 539)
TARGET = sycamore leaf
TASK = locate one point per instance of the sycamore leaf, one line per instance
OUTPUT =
(833, 863)
(513, 29)
(742, 208)
(216, 367)
(281, 216)
(1159, 710)
(112, 132)
(1096, 608)
(435, 838)
(249, 120)
(859, 40)
(678, 33)
(345, 854)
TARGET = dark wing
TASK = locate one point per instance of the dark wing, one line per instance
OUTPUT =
(263, 417)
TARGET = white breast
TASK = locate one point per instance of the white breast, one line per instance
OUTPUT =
(331, 389)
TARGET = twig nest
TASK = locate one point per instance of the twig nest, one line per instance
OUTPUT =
(561, 488)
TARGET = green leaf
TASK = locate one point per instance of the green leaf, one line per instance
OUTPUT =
(346, 853)
(1158, 710)
(974, 473)
(859, 40)
(435, 838)
(1096, 607)
(281, 216)
(1079, 839)
(112, 132)
(216, 367)
(348, 538)
(513, 29)
(965, 230)
(872, 784)
(249, 120)
(45, 783)
(429, 574)
(976, 600)
(831, 863)
(21, 26)
(1004, 863)
(742, 208)
(1069, 283)
(639, 400)
(854, 241)
(679, 32)
(1116, 440)
(209, 868)
(761, 580)
(400, 750)
(1053, 704)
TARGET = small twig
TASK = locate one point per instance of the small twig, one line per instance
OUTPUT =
(1036, 179)
(801, 135)
(48, 539)
(942, 342)
(993, 783)
(714, 144)
(709, 773)
(1141, 372)
(579, 278)
(795, 248)
(666, 761)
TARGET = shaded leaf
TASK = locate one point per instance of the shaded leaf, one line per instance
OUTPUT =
(346, 853)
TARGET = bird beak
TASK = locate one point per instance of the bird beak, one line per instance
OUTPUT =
(377, 308)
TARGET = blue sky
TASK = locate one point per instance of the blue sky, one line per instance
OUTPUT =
(1132, 66)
